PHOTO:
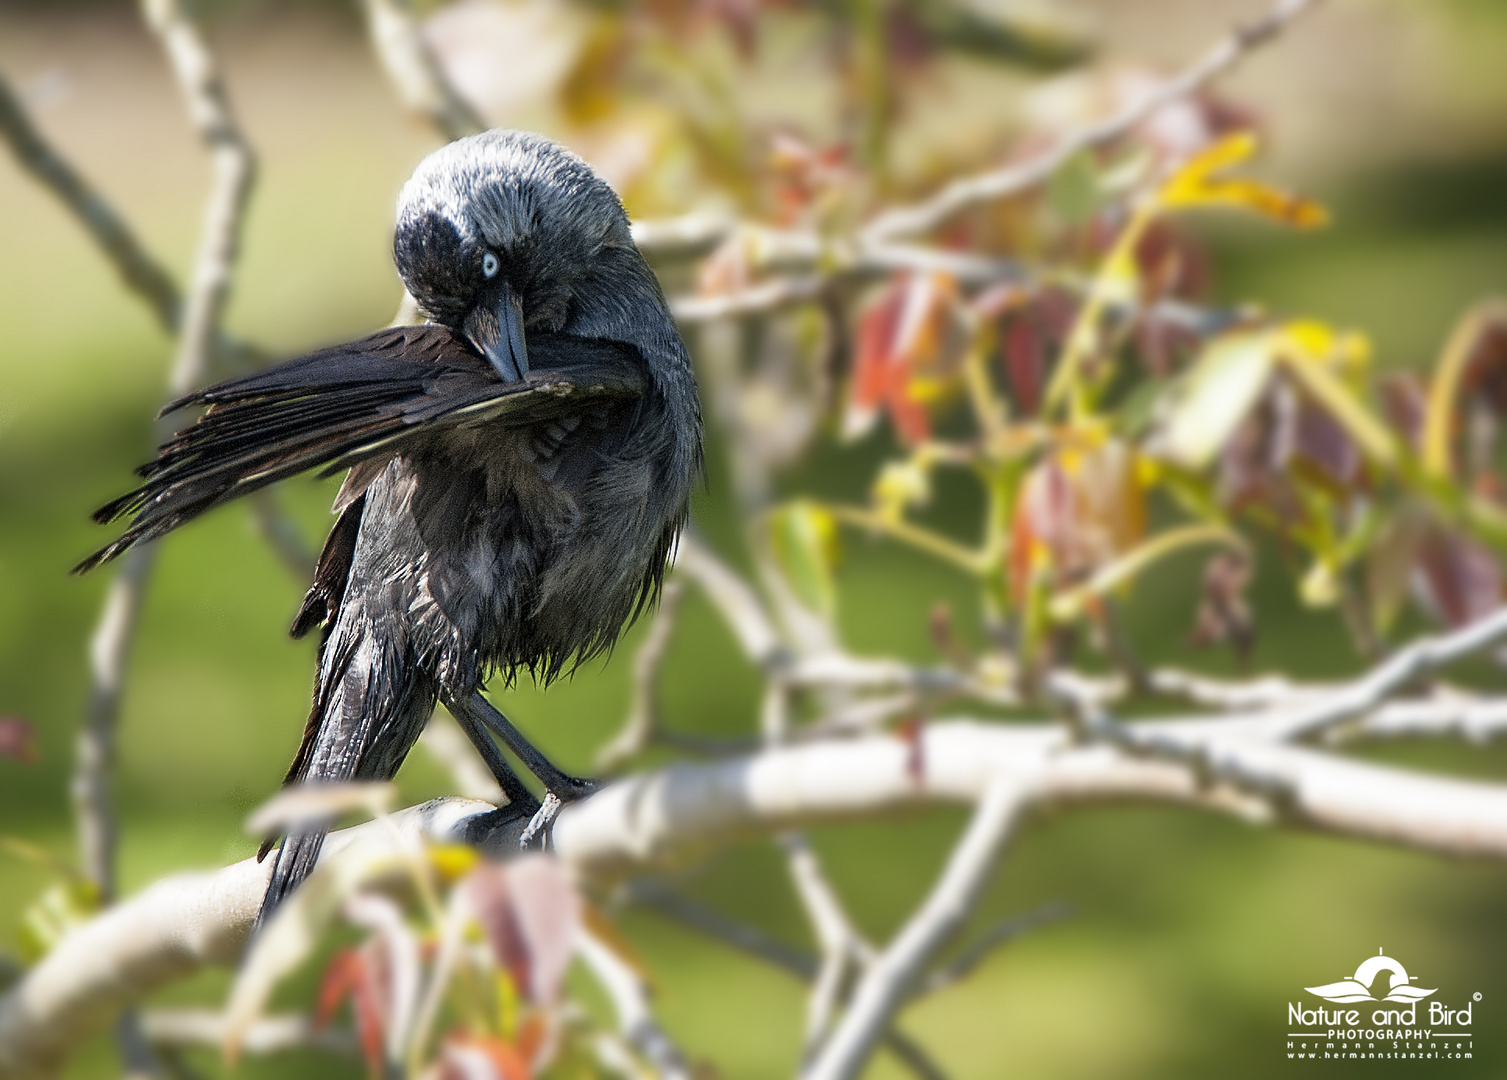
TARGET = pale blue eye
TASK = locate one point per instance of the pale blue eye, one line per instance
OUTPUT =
(490, 265)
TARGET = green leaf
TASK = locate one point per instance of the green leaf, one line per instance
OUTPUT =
(1390, 562)
(1074, 191)
(803, 537)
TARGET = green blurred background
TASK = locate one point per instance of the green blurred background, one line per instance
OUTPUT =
(1189, 933)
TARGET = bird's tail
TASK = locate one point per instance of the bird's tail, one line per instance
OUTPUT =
(370, 705)
(295, 861)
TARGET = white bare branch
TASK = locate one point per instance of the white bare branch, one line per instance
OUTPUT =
(165, 933)
(180, 924)
(269, 1035)
(198, 324)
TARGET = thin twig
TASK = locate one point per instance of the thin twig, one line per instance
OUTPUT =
(140, 272)
(759, 945)
(981, 947)
(734, 599)
(1025, 175)
(94, 757)
(842, 948)
(886, 984)
(197, 323)
(643, 715)
(686, 236)
(415, 72)
(1394, 673)
(150, 280)
(284, 537)
(630, 1000)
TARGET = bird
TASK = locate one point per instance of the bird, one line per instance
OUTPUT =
(519, 467)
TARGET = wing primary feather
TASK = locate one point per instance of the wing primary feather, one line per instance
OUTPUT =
(335, 408)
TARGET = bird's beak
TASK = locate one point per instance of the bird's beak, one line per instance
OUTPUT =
(496, 329)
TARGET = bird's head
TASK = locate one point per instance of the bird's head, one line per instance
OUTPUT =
(505, 232)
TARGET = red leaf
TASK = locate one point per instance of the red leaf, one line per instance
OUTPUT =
(1325, 446)
(1457, 581)
(18, 739)
(338, 982)
(491, 899)
(1025, 358)
(529, 912)
(1224, 615)
(348, 977)
(1031, 337)
(1405, 400)
(902, 339)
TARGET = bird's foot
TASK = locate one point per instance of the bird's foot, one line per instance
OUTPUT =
(542, 819)
(563, 790)
(476, 714)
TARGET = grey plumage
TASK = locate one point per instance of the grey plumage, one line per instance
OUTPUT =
(519, 468)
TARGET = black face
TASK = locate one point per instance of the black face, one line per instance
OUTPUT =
(497, 232)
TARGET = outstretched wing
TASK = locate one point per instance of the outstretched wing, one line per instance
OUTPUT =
(339, 406)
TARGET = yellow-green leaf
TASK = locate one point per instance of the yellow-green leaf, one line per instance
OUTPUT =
(1217, 395)
(1196, 185)
(1070, 604)
(1444, 390)
(804, 539)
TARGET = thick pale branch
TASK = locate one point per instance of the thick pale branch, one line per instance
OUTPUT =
(180, 924)
(163, 934)
(683, 808)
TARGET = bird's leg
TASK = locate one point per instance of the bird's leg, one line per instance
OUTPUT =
(559, 787)
(502, 772)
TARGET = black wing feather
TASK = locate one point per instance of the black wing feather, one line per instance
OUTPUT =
(336, 407)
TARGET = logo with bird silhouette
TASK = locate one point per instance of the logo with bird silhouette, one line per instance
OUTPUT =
(1357, 987)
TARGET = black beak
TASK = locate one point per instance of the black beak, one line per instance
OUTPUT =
(496, 329)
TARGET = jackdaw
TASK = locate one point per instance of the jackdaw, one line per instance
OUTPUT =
(519, 466)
